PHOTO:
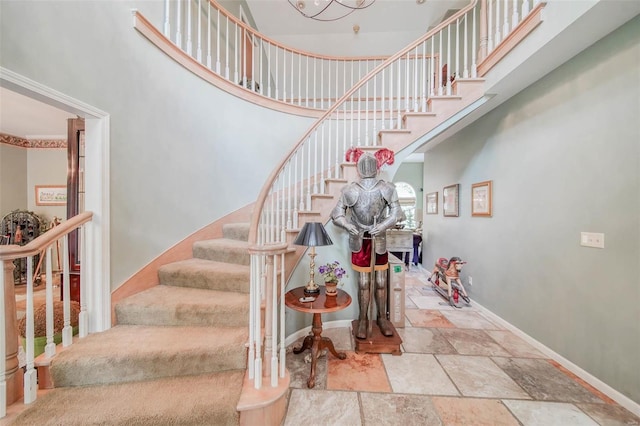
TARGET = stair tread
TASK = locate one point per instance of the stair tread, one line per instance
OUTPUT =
(127, 340)
(224, 242)
(134, 353)
(223, 250)
(193, 400)
(165, 305)
(168, 295)
(206, 274)
(205, 264)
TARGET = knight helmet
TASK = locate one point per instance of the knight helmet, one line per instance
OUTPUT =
(367, 166)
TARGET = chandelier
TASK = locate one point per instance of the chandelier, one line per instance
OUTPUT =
(329, 10)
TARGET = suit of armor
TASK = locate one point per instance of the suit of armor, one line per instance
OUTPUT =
(366, 209)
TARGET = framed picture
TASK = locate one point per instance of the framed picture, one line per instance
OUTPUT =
(450, 200)
(432, 203)
(481, 199)
(51, 195)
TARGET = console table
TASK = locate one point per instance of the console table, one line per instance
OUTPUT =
(321, 305)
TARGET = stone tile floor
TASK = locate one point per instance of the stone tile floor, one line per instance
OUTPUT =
(458, 367)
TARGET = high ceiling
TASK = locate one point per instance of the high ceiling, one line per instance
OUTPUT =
(27, 118)
(279, 17)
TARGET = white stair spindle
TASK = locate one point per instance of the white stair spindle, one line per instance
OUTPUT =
(189, 41)
(505, 29)
(30, 376)
(252, 318)
(441, 66)
(66, 292)
(50, 347)
(457, 52)
(178, 25)
(474, 47)
(167, 17)
(282, 328)
(490, 32)
(227, 48)
(449, 65)
(466, 46)
(209, 37)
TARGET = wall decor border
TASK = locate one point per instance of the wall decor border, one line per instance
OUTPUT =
(32, 143)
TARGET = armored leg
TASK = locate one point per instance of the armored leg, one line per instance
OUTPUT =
(381, 303)
(364, 287)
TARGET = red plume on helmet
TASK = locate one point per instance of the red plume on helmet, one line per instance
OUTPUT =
(383, 156)
(353, 155)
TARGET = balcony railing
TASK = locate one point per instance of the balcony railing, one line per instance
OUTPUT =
(238, 53)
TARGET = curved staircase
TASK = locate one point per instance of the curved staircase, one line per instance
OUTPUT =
(176, 356)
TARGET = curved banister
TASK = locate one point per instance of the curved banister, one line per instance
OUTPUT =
(11, 252)
(266, 189)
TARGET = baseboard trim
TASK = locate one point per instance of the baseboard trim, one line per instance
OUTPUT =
(607, 390)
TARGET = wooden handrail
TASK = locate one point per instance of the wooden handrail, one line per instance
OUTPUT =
(36, 246)
(253, 230)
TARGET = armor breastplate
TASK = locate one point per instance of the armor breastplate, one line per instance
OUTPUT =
(369, 206)
(368, 203)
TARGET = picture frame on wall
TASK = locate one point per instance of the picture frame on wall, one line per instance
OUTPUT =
(432, 203)
(51, 195)
(450, 200)
(481, 199)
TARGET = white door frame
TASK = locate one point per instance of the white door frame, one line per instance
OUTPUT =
(97, 273)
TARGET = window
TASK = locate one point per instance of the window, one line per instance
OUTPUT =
(407, 196)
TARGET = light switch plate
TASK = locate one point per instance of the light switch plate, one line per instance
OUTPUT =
(592, 239)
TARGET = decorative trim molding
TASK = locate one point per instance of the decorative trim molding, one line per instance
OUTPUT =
(32, 143)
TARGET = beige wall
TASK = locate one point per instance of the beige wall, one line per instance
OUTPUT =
(46, 167)
(13, 179)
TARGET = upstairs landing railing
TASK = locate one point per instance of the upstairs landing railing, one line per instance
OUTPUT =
(405, 82)
(233, 50)
(10, 371)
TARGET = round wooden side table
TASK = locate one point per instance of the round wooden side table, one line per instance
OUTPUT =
(322, 304)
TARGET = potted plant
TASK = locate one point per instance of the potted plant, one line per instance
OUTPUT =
(332, 272)
(40, 325)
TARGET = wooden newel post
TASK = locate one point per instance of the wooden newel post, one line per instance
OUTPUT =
(12, 367)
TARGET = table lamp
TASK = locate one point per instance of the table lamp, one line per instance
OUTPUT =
(312, 234)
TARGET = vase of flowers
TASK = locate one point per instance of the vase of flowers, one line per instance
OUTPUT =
(332, 272)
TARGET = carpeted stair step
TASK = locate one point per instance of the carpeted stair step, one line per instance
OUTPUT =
(194, 400)
(164, 305)
(129, 353)
(236, 231)
(223, 250)
(206, 274)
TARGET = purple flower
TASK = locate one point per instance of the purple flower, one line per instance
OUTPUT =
(332, 271)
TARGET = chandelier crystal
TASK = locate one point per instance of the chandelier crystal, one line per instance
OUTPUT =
(328, 10)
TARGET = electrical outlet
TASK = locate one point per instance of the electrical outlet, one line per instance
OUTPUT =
(592, 239)
(470, 281)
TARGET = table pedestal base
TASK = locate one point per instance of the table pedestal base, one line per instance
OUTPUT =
(317, 343)
(377, 343)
